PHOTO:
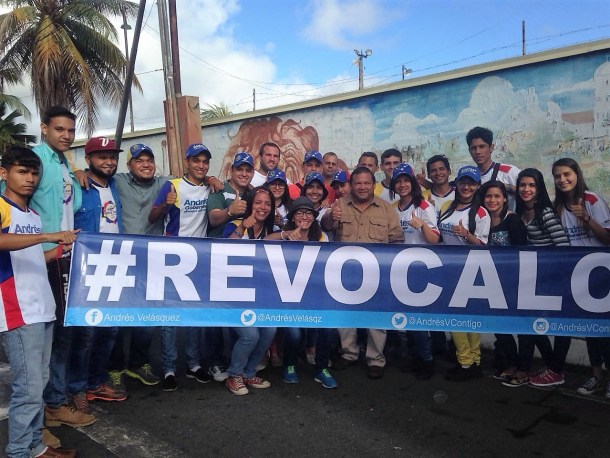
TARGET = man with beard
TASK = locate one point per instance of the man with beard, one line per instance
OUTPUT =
(269, 159)
(100, 212)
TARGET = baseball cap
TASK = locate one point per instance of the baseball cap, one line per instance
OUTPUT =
(243, 158)
(275, 175)
(301, 203)
(312, 155)
(137, 149)
(99, 144)
(196, 149)
(469, 171)
(340, 177)
(310, 178)
(402, 169)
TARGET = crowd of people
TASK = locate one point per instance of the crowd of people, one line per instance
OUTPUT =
(58, 371)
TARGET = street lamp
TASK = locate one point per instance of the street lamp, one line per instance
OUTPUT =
(125, 26)
(361, 55)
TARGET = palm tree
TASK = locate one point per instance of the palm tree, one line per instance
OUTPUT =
(68, 50)
(215, 111)
(12, 76)
(12, 133)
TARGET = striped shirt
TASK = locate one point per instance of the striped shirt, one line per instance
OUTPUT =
(550, 233)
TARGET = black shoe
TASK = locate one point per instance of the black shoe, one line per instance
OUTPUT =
(425, 370)
(462, 374)
(341, 363)
(375, 372)
(200, 375)
(169, 383)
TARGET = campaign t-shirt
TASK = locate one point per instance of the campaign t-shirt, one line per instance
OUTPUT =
(578, 233)
(482, 225)
(67, 214)
(438, 201)
(383, 192)
(425, 211)
(109, 223)
(25, 293)
(507, 174)
(188, 216)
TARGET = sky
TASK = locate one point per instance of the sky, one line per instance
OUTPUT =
(295, 51)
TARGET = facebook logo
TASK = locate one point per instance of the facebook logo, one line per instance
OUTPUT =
(94, 317)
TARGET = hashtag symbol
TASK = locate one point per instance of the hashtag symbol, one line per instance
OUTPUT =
(115, 281)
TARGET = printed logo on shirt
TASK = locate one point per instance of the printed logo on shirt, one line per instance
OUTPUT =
(27, 229)
(67, 192)
(195, 206)
(109, 212)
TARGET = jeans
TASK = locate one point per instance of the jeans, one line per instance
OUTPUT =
(91, 349)
(423, 345)
(248, 350)
(29, 350)
(169, 348)
(213, 347)
(139, 347)
(527, 343)
(55, 393)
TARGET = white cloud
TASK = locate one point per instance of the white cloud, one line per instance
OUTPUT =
(338, 24)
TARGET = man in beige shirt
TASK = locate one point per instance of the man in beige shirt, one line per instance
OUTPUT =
(362, 217)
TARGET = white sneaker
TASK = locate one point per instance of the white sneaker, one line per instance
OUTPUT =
(592, 385)
(218, 373)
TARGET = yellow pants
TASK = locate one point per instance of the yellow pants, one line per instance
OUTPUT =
(467, 347)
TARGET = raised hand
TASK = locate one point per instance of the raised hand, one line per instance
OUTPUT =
(172, 195)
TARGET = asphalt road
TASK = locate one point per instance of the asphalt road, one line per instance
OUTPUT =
(394, 416)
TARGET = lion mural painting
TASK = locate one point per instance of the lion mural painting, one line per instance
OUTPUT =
(293, 139)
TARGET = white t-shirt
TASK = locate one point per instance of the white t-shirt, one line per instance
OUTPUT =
(109, 223)
(259, 179)
(425, 211)
(383, 193)
(482, 225)
(438, 201)
(67, 215)
(507, 174)
(577, 232)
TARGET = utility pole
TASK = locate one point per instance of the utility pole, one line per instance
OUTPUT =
(406, 72)
(254, 99)
(523, 35)
(361, 55)
(125, 26)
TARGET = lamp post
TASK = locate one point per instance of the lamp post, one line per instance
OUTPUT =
(125, 26)
(361, 55)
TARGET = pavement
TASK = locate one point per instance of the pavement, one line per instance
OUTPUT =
(394, 416)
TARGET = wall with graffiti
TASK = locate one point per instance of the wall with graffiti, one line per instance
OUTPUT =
(538, 112)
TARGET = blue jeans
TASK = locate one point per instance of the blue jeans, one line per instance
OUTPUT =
(91, 349)
(55, 393)
(213, 349)
(169, 349)
(29, 350)
(423, 345)
(322, 341)
(248, 350)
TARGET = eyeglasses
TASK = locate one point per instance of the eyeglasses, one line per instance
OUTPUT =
(304, 214)
(277, 184)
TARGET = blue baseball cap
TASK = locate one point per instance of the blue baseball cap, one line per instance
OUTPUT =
(275, 175)
(402, 169)
(309, 155)
(243, 158)
(196, 149)
(137, 149)
(313, 176)
(340, 177)
(469, 171)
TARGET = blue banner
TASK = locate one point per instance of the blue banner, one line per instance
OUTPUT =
(174, 281)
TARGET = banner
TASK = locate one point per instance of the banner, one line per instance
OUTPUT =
(174, 281)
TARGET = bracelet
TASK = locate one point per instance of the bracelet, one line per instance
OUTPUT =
(282, 235)
(60, 252)
(229, 212)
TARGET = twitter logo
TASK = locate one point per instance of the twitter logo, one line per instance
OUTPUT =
(248, 317)
(399, 320)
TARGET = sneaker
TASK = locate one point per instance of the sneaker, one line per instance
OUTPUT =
(218, 373)
(115, 381)
(608, 391)
(341, 363)
(200, 375)
(49, 439)
(236, 386)
(503, 375)
(327, 380)
(547, 378)
(256, 382)
(592, 385)
(67, 415)
(105, 392)
(290, 375)
(169, 383)
(144, 375)
(460, 373)
(264, 362)
(80, 402)
(516, 381)
(51, 452)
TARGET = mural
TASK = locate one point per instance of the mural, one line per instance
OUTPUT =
(538, 112)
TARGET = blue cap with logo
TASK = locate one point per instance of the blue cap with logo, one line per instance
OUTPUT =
(196, 149)
(275, 175)
(339, 177)
(309, 155)
(469, 171)
(402, 169)
(139, 148)
(243, 158)
(313, 176)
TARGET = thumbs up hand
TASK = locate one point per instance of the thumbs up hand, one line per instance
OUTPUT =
(579, 210)
(238, 206)
(172, 195)
(460, 230)
(336, 211)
